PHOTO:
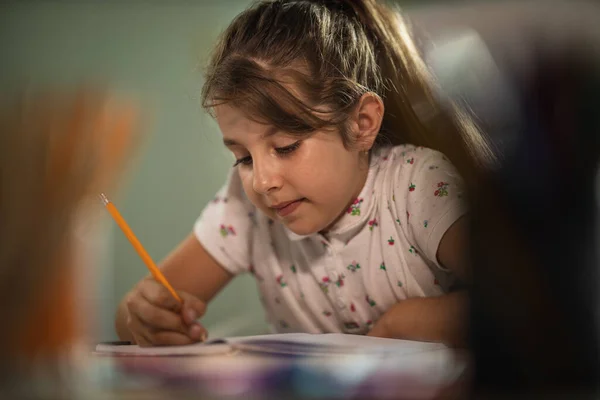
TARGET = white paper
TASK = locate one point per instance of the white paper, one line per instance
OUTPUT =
(197, 349)
(299, 343)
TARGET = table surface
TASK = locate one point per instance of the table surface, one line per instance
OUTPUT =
(420, 375)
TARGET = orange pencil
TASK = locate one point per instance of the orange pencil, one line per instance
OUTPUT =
(137, 245)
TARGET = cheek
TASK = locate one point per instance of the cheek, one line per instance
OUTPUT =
(255, 198)
(329, 171)
(247, 184)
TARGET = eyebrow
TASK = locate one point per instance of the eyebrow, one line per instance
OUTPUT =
(270, 132)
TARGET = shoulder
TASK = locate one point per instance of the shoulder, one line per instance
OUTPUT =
(408, 164)
(424, 194)
(420, 182)
(233, 187)
(411, 155)
(229, 212)
(227, 226)
(231, 196)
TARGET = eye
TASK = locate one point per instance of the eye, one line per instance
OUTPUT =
(288, 149)
(282, 151)
(244, 161)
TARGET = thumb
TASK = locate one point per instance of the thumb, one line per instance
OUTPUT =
(192, 308)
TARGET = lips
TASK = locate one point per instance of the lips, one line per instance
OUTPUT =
(283, 205)
(286, 208)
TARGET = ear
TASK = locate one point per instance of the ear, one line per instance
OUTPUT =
(367, 119)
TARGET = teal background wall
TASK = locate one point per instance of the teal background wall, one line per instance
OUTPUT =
(151, 51)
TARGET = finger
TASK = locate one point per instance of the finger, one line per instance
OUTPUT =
(146, 336)
(157, 337)
(155, 317)
(137, 328)
(142, 341)
(147, 328)
(169, 338)
(137, 339)
(197, 332)
(192, 309)
(158, 295)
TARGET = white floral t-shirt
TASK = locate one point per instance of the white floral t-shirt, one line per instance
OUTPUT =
(382, 251)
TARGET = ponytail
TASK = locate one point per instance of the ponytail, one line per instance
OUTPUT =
(413, 114)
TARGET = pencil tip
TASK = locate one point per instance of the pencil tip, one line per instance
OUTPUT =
(103, 198)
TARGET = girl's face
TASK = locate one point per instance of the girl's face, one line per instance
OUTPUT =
(305, 183)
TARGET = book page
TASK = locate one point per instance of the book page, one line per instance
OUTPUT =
(285, 344)
(211, 347)
(330, 343)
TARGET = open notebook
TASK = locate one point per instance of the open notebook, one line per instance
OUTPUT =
(291, 344)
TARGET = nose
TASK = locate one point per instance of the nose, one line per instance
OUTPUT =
(267, 176)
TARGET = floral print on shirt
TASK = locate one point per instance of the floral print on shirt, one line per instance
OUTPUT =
(370, 301)
(324, 284)
(226, 230)
(280, 281)
(353, 267)
(354, 208)
(442, 189)
(373, 224)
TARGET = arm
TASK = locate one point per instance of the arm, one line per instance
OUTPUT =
(436, 319)
(189, 268)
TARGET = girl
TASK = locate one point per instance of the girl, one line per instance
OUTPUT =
(345, 226)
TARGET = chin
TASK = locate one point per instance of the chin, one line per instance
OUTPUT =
(302, 228)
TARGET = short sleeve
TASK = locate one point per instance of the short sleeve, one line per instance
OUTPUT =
(434, 199)
(225, 226)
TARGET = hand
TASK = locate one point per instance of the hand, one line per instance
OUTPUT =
(155, 318)
(381, 327)
(427, 319)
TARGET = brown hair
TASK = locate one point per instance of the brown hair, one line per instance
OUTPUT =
(336, 51)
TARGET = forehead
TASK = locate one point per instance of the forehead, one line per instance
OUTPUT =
(236, 125)
(229, 117)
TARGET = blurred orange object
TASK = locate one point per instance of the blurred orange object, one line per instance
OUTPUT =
(57, 151)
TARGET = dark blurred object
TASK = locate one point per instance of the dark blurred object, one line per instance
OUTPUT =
(530, 74)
